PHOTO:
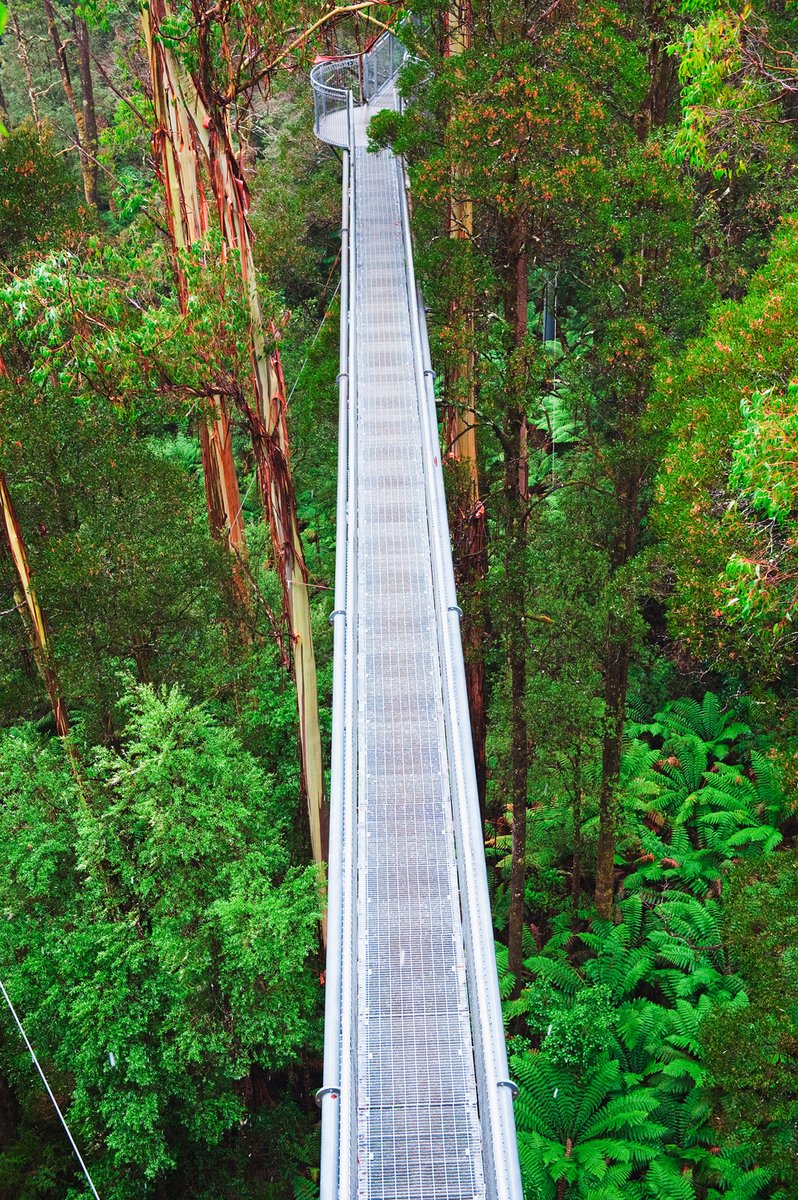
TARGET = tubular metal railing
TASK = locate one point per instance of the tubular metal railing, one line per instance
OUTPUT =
(338, 85)
(339, 1016)
(361, 76)
(495, 1090)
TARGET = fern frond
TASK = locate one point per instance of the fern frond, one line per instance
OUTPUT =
(666, 1181)
(560, 974)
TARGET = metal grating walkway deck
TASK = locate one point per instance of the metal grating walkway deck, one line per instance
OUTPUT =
(416, 1104)
(418, 1127)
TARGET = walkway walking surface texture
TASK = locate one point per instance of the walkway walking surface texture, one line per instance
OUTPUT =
(418, 1127)
(416, 1103)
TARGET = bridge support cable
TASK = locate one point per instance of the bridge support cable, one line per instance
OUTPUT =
(416, 1102)
(49, 1090)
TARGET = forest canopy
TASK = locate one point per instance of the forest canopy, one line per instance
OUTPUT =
(605, 224)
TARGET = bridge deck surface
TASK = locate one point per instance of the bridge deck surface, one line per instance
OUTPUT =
(418, 1132)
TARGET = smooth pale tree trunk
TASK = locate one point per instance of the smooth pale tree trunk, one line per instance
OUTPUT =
(22, 53)
(88, 109)
(88, 169)
(460, 432)
(266, 419)
(30, 610)
(187, 216)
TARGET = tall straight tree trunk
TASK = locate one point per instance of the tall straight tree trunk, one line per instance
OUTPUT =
(469, 530)
(519, 758)
(22, 53)
(3, 108)
(616, 680)
(88, 169)
(30, 610)
(88, 109)
(266, 420)
(187, 216)
(662, 70)
(516, 489)
(616, 683)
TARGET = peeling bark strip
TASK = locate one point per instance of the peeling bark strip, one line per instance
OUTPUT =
(175, 151)
(224, 500)
(269, 430)
(201, 126)
(30, 610)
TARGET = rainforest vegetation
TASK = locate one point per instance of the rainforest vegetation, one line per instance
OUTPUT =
(605, 214)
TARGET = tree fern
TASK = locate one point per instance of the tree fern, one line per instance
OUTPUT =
(705, 721)
(667, 1182)
(630, 1118)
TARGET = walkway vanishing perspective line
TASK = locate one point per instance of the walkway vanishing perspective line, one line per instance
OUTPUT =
(416, 1103)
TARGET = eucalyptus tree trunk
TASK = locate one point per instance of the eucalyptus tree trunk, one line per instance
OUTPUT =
(176, 154)
(88, 167)
(88, 109)
(269, 432)
(616, 683)
(516, 500)
(24, 58)
(266, 419)
(30, 610)
(460, 432)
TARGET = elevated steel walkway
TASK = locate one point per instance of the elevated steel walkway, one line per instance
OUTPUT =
(416, 1102)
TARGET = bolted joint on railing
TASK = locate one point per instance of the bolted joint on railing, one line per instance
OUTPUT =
(332, 1092)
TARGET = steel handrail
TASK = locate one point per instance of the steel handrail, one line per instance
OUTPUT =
(487, 1026)
(338, 1024)
(337, 1097)
(330, 99)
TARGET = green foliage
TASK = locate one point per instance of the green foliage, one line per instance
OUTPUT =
(38, 194)
(125, 567)
(156, 936)
(724, 488)
(700, 810)
(733, 64)
(753, 1058)
(614, 1027)
(760, 471)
